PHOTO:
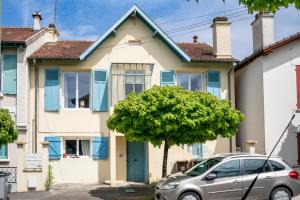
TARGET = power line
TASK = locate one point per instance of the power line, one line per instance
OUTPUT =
(196, 17)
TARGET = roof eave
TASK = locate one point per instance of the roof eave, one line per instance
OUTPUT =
(148, 21)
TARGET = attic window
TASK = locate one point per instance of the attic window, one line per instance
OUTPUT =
(135, 42)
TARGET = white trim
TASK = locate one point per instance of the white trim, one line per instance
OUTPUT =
(77, 146)
(148, 20)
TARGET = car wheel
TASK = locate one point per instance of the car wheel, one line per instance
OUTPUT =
(281, 193)
(189, 196)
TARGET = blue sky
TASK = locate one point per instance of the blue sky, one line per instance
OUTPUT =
(88, 19)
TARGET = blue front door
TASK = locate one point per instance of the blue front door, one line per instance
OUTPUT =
(136, 161)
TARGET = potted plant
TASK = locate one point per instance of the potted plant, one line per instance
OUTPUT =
(65, 155)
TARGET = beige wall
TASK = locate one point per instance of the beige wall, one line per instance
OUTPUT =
(84, 122)
(249, 100)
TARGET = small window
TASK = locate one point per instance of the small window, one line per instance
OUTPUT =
(253, 166)
(77, 148)
(228, 169)
(277, 166)
(77, 90)
(3, 151)
(190, 81)
(134, 81)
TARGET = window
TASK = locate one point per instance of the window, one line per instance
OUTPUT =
(195, 150)
(3, 151)
(253, 166)
(75, 148)
(1, 63)
(203, 166)
(228, 169)
(277, 166)
(190, 81)
(77, 90)
(134, 81)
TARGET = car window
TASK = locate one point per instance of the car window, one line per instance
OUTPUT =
(228, 169)
(203, 166)
(277, 166)
(253, 166)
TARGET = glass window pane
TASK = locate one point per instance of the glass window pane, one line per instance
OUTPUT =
(84, 147)
(196, 82)
(140, 79)
(129, 79)
(253, 166)
(277, 166)
(70, 90)
(228, 169)
(138, 88)
(71, 147)
(203, 166)
(183, 81)
(83, 90)
(128, 89)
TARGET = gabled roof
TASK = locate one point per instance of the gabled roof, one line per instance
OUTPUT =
(199, 52)
(267, 50)
(16, 34)
(64, 49)
(138, 12)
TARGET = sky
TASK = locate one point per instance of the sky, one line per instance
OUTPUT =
(181, 19)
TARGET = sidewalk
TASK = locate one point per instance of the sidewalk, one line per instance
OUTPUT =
(89, 192)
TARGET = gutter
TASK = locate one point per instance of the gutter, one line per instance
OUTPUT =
(36, 72)
(229, 97)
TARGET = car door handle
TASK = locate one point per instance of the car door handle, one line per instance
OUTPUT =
(268, 177)
(236, 181)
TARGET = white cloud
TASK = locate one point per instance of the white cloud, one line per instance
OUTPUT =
(82, 32)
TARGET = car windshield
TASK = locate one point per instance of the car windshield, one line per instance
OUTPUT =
(202, 167)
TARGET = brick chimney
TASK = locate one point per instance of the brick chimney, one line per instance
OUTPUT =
(221, 37)
(262, 30)
(37, 17)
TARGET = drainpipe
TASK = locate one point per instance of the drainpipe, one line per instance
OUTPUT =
(35, 104)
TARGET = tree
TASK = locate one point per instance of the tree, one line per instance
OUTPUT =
(8, 133)
(266, 5)
(174, 116)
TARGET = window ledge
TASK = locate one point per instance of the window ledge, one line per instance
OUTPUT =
(1, 94)
(32, 170)
(4, 160)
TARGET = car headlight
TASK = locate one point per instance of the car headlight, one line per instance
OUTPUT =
(169, 186)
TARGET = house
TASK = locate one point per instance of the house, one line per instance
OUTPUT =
(74, 86)
(268, 91)
(17, 43)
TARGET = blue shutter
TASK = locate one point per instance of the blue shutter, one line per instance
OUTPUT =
(3, 151)
(167, 78)
(52, 90)
(100, 148)
(100, 91)
(54, 147)
(10, 74)
(213, 84)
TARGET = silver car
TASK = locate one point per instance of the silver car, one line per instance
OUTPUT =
(228, 176)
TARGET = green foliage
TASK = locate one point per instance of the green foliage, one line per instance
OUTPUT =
(173, 114)
(8, 133)
(50, 178)
(269, 5)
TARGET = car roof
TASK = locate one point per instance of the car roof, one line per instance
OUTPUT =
(227, 156)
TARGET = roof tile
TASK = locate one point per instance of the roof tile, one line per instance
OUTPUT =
(16, 34)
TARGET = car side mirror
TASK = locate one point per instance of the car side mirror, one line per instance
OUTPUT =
(211, 176)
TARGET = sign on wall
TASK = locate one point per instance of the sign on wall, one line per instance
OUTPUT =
(34, 161)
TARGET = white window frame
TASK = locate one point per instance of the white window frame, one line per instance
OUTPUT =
(190, 78)
(1, 70)
(134, 75)
(77, 91)
(77, 146)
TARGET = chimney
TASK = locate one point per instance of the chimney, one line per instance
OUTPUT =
(262, 30)
(37, 17)
(195, 38)
(221, 37)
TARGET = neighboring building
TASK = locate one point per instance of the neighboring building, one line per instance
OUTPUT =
(79, 82)
(16, 45)
(266, 84)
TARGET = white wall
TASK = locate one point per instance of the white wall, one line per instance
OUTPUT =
(280, 99)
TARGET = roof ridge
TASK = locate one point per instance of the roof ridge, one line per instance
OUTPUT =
(75, 41)
(20, 27)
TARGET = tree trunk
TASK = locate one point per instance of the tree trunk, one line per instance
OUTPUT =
(165, 159)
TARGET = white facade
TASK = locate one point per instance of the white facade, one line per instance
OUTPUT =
(266, 93)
